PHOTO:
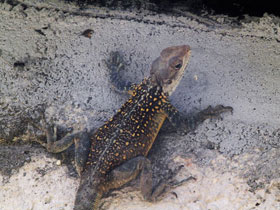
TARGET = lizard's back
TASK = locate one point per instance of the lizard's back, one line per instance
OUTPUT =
(131, 132)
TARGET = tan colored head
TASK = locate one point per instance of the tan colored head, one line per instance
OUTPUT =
(168, 69)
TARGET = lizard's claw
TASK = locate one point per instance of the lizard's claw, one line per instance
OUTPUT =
(38, 121)
(115, 62)
(115, 65)
(191, 122)
(215, 112)
(165, 186)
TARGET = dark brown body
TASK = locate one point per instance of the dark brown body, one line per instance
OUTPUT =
(131, 132)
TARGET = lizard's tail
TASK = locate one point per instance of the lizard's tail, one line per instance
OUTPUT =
(97, 200)
(88, 195)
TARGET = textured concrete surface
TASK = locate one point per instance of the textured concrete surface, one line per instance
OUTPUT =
(44, 60)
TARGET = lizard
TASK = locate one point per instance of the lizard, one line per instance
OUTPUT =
(116, 153)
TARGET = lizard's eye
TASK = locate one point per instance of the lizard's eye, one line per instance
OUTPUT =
(178, 66)
(169, 81)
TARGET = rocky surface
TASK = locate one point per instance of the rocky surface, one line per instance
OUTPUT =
(45, 60)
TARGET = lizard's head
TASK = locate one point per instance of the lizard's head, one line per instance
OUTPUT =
(168, 69)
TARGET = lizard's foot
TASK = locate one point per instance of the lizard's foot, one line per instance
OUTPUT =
(213, 112)
(165, 186)
(39, 122)
(210, 112)
(115, 64)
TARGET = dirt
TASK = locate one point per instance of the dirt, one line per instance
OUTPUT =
(45, 61)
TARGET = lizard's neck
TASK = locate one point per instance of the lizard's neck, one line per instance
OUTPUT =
(153, 85)
(148, 86)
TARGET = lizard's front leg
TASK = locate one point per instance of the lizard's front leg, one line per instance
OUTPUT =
(116, 65)
(184, 126)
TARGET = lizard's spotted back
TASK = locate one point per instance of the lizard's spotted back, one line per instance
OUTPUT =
(131, 131)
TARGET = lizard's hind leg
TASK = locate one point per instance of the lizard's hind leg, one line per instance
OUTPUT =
(54, 145)
(128, 171)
